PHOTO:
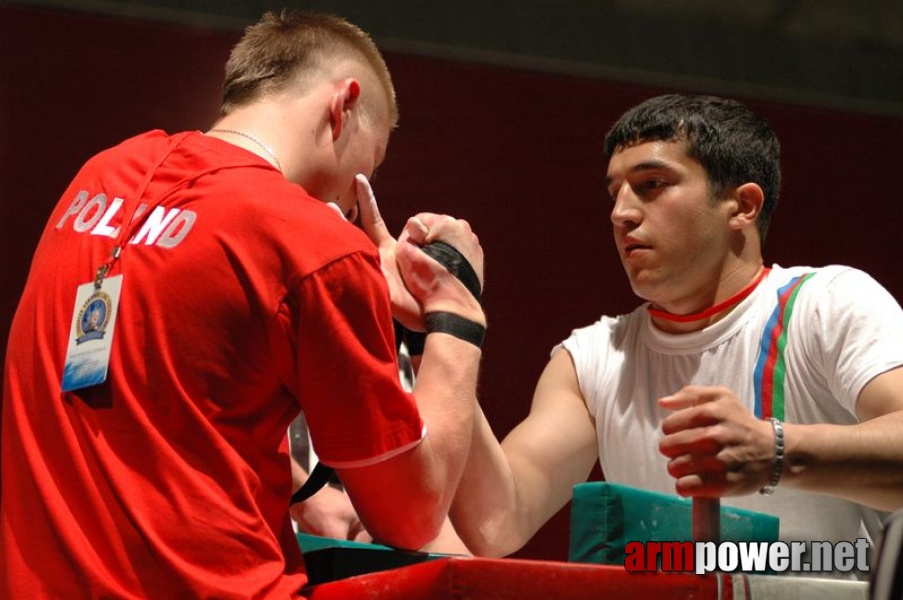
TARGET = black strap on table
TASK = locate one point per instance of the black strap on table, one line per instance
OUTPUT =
(449, 257)
(320, 476)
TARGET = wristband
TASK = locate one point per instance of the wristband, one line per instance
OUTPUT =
(457, 326)
(778, 467)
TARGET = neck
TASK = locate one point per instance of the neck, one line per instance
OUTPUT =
(683, 323)
(248, 140)
(293, 125)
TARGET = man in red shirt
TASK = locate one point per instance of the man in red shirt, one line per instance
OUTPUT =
(154, 461)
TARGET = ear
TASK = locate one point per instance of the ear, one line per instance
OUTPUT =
(343, 101)
(748, 200)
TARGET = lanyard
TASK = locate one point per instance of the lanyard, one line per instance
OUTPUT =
(128, 226)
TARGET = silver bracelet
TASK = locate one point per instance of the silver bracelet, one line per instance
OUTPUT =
(778, 467)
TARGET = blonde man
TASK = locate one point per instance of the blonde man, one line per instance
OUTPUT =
(241, 297)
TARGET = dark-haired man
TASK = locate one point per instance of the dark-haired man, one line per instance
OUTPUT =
(694, 390)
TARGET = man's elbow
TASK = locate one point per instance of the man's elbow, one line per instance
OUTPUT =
(410, 531)
(486, 541)
(491, 549)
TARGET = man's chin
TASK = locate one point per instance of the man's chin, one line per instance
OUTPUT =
(643, 288)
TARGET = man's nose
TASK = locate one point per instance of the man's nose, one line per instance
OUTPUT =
(625, 212)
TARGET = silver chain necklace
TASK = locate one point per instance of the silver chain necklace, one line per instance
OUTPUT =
(266, 148)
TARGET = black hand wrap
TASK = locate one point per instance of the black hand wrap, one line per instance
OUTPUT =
(449, 257)
(440, 322)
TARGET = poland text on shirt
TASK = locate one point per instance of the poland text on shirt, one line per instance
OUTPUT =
(163, 227)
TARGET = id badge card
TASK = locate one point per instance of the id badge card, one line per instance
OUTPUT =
(91, 333)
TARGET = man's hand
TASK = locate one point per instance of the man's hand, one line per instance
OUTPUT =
(329, 513)
(426, 228)
(429, 282)
(425, 285)
(716, 446)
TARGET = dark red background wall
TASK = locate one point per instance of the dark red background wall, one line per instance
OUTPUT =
(517, 153)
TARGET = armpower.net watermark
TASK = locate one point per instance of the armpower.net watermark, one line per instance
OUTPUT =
(750, 557)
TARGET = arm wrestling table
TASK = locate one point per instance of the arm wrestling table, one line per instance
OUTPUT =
(504, 578)
(604, 518)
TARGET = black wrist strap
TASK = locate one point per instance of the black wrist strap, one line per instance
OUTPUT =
(452, 324)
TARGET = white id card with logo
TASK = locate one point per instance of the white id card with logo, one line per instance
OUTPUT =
(91, 334)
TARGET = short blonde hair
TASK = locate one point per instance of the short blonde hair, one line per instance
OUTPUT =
(291, 47)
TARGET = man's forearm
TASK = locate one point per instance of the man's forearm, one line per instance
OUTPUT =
(485, 510)
(445, 391)
(862, 463)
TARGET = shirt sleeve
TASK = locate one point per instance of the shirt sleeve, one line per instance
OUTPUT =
(347, 372)
(590, 351)
(858, 331)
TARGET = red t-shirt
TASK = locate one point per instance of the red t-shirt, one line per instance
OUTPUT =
(244, 301)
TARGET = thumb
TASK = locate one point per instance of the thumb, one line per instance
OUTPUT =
(371, 220)
(416, 231)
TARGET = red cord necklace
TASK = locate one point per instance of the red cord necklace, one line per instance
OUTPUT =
(712, 310)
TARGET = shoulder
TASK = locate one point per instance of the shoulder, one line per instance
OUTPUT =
(259, 204)
(306, 232)
(828, 278)
(834, 292)
(606, 332)
(146, 144)
(821, 275)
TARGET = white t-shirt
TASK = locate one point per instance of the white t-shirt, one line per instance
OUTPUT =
(841, 330)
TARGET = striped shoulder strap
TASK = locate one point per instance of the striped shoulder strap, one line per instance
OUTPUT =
(770, 371)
